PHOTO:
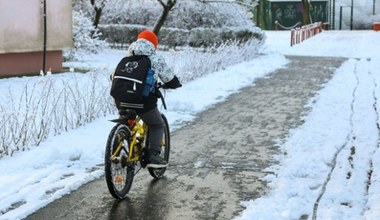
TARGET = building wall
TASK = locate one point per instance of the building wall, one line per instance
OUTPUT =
(22, 28)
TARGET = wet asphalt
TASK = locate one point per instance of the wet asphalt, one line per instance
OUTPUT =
(218, 160)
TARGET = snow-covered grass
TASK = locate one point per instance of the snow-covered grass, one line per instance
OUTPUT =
(344, 109)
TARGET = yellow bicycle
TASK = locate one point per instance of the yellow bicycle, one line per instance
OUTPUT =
(126, 151)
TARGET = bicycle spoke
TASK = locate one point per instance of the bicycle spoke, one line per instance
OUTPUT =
(118, 173)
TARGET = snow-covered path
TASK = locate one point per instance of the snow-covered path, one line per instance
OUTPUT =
(330, 167)
(344, 194)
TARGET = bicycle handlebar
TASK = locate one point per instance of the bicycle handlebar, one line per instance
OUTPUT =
(159, 93)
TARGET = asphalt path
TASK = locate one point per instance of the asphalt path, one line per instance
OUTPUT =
(218, 160)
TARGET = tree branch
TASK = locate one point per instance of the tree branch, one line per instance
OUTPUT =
(253, 5)
(161, 2)
(167, 7)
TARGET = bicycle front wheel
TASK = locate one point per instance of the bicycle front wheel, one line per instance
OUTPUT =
(158, 173)
(118, 173)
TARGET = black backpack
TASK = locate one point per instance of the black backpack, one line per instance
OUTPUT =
(130, 78)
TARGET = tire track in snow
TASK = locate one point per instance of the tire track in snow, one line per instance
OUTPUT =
(351, 164)
(373, 175)
(375, 103)
(334, 161)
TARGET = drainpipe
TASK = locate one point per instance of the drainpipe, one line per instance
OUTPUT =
(44, 46)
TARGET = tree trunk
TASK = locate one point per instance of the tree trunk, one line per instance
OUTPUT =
(261, 12)
(98, 13)
(160, 22)
(256, 14)
(306, 12)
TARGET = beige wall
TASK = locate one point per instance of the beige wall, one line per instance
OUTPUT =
(22, 26)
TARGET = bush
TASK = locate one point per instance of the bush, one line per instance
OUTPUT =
(171, 37)
(185, 15)
(86, 39)
(48, 105)
(190, 63)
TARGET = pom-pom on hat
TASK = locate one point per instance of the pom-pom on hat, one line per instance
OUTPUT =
(150, 36)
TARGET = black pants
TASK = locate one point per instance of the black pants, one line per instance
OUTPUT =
(156, 128)
(153, 119)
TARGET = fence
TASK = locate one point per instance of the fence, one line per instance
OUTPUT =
(279, 26)
(305, 32)
(376, 26)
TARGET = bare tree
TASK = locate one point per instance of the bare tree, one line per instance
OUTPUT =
(171, 3)
(98, 10)
(161, 20)
(306, 12)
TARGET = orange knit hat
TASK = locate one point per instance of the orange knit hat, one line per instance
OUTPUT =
(150, 36)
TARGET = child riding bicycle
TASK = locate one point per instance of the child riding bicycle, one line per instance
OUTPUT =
(146, 44)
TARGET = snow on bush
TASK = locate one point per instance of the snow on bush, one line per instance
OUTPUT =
(185, 14)
(118, 35)
(190, 63)
(191, 23)
(142, 12)
(86, 38)
(121, 34)
(45, 106)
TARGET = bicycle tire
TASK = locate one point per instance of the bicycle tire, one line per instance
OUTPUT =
(158, 173)
(119, 175)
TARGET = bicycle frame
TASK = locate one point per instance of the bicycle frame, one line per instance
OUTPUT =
(139, 129)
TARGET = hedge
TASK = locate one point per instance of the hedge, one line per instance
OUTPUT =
(171, 37)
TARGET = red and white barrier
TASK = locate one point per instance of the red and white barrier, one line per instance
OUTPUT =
(376, 26)
(305, 32)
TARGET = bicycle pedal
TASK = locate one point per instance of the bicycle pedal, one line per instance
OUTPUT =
(115, 160)
(143, 163)
(124, 161)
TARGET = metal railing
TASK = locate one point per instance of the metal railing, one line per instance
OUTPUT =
(305, 32)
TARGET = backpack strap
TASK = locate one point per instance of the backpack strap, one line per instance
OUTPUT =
(131, 105)
(127, 78)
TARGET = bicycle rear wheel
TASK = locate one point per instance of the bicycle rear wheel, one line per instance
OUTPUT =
(158, 173)
(118, 174)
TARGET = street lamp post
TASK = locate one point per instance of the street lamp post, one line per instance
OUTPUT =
(333, 15)
(374, 7)
(341, 15)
